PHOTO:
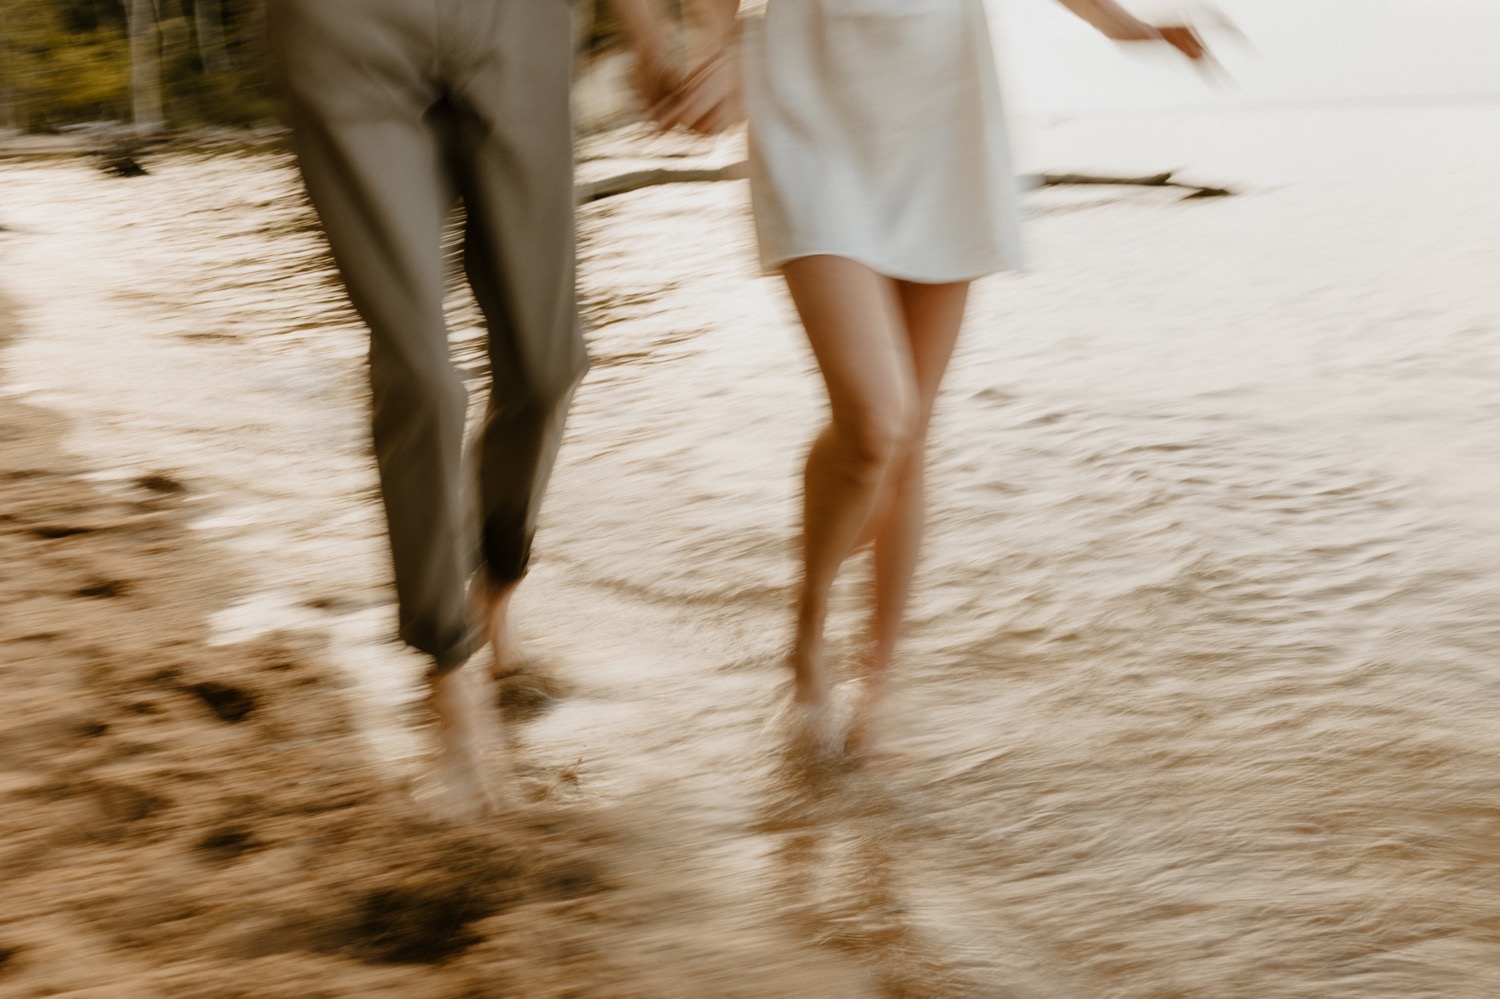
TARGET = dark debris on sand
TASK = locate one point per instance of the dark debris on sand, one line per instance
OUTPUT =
(176, 814)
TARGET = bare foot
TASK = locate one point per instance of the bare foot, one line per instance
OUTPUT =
(489, 603)
(461, 788)
(869, 737)
(811, 718)
(811, 682)
(813, 729)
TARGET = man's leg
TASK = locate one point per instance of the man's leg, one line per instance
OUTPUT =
(373, 155)
(374, 164)
(516, 156)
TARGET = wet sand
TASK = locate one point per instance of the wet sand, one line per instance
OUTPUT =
(1201, 696)
(187, 820)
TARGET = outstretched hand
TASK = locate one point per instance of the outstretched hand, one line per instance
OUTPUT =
(1185, 40)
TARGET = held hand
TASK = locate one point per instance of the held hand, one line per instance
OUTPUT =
(653, 75)
(709, 101)
(654, 81)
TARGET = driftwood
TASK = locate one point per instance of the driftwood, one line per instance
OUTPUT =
(120, 163)
(119, 151)
(1154, 180)
(636, 180)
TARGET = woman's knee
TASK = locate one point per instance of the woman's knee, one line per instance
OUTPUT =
(881, 436)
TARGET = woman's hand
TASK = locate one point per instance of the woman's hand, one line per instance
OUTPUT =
(654, 80)
(1117, 23)
(1184, 39)
(654, 75)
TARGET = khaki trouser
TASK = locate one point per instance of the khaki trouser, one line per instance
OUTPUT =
(398, 107)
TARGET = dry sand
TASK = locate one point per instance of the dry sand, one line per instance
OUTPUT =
(182, 820)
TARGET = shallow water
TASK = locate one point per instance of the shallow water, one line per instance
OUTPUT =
(1201, 696)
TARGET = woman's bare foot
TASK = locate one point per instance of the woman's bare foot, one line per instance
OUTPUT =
(462, 787)
(869, 740)
(867, 728)
(812, 719)
(813, 729)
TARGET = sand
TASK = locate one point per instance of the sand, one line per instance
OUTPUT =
(182, 820)
(1200, 697)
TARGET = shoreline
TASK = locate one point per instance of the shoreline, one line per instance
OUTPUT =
(89, 142)
(601, 111)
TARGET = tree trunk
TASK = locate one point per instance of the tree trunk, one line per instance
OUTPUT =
(209, 20)
(145, 65)
(8, 118)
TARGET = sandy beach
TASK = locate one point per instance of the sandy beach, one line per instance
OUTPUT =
(1201, 697)
(191, 820)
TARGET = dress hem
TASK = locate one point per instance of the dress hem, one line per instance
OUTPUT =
(772, 268)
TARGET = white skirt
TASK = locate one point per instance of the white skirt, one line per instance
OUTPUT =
(877, 134)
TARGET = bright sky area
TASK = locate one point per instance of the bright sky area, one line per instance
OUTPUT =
(1301, 50)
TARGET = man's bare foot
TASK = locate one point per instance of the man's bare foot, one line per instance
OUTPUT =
(489, 603)
(462, 787)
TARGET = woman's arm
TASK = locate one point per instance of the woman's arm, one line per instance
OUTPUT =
(1115, 22)
(1112, 21)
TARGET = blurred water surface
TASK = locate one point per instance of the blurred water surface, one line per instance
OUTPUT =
(1202, 695)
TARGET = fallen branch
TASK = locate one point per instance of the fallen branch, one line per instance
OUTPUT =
(636, 180)
(627, 182)
(1154, 180)
(119, 151)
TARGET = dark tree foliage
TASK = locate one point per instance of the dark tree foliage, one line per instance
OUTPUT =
(67, 62)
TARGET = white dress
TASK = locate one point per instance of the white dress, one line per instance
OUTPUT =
(877, 134)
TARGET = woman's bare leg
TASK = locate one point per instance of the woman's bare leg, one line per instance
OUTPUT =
(853, 320)
(933, 315)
